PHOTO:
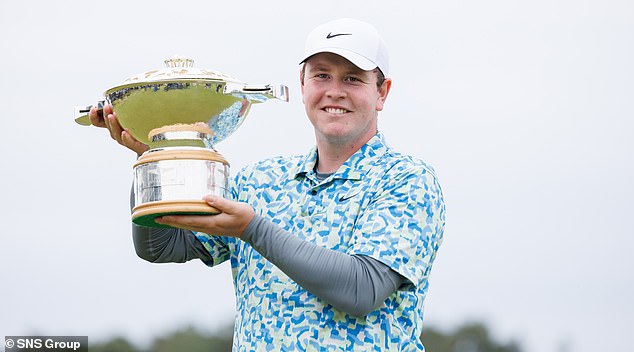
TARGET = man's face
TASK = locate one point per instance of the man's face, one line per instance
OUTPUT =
(341, 100)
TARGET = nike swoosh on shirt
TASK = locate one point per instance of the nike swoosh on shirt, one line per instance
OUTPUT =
(330, 35)
(346, 197)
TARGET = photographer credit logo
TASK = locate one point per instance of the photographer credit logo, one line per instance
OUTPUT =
(46, 343)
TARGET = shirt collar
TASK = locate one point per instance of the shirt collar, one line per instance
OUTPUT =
(355, 167)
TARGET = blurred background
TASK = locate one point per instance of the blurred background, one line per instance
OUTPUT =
(524, 108)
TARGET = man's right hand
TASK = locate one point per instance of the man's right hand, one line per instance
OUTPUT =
(108, 119)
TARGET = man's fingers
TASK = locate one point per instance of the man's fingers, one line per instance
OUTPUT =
(106, 112)
(196, 223)
(232, 221)
(132, 143)
(219, 203)
(99, 118)
(114, 127)
(96, 119)
(108, 119)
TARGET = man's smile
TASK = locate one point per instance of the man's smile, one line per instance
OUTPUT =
(332, 110)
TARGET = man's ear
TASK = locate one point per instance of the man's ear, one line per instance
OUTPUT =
(301, 82)
(384, 90)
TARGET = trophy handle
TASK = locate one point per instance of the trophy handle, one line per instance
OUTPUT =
(81, 113)
(257, 93)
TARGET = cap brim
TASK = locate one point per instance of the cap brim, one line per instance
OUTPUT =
(360, 61)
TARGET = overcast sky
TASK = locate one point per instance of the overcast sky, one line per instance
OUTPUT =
(525, 110)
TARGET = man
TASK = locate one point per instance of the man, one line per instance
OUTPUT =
(331, 250)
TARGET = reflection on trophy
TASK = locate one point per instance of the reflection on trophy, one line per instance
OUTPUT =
(181, 112)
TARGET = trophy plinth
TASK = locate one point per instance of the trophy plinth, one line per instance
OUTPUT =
(180, 112)
(173, 175)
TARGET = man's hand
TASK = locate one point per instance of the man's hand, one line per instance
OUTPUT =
(232, 221)
(108, 120)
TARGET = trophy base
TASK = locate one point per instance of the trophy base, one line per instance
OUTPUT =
(144, 214)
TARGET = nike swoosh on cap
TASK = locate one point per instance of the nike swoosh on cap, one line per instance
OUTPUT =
(330, 35)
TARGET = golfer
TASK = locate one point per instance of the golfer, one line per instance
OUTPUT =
(330, 250)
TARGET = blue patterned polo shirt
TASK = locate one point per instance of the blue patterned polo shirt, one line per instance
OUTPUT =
(380, 203)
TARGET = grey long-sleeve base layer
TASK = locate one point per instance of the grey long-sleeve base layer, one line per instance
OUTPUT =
(354, 284)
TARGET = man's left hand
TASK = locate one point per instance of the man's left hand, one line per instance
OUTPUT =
(232, 221)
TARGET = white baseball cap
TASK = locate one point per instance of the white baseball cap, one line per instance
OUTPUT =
(357, 41)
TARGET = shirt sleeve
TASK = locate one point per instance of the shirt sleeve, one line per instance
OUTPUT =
(171, 245)
(168, 245)
(355, 284)
(403, 225)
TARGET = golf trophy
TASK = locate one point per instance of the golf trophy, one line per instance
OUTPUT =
(180, 112)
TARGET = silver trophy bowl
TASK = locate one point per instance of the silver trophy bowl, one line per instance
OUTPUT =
(181, 112)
